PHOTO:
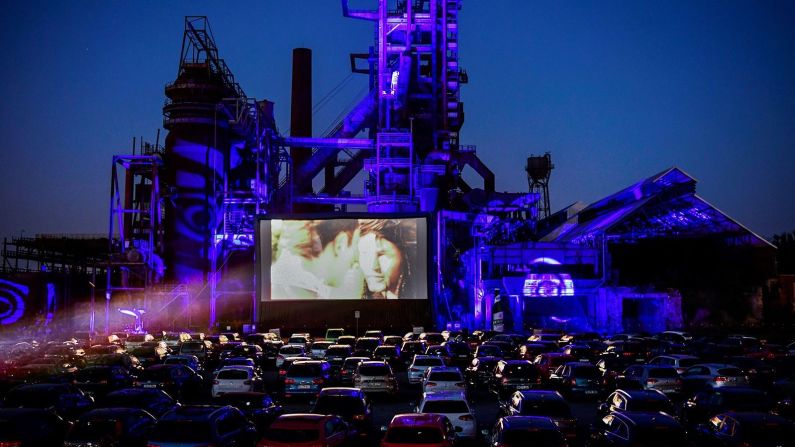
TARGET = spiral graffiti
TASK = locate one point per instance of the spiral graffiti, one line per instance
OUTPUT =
(12, 301)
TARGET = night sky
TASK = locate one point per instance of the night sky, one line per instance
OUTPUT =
(616, 91)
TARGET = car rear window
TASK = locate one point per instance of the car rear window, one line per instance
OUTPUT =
(687, 363)
(458, 348)
(730, 372)
(96, 429)
(287, 435)
(384, 350)
(445, 376)
(663, 372)
(291, 350)
(337, 351)
(341, 405)
(191, 347)
(587, 372)
(376, 370)
(428, 362)
(519, 437)
(521, 371)
(303, 370)
(445, 407)
(649, 405)
(549, 409)
(412, 435)
(232, 374)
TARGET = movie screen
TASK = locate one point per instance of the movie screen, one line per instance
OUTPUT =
(343, 258)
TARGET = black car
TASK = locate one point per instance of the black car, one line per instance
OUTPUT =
(513, 375)
(458, 353)
(480, 371)
(577, 379)
(520, 431)
(204, 425)
(635, 400)
(155, 401)
(336, 354)
(100, 380)
(391, 355)
(179, 381)
(625, 429)
(124, 360)
(351, 404)
(123, 427)
(741, 429)
(410, 348)
(711, 401)
(365, 346)
(31, 427)
(259, 408)
(542, 403)
(488, 350)
(65, 399)
(760, 374)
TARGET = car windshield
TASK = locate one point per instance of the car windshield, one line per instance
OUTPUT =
(287, 435)
(337, 351)
(549, 409)
(191, 347)
(304, 370)
(232, 374)
(490, 350)
(649, 405)
(368, 344)
(445, 407)
(523, 437)
(291, 350)
(412, 435)
(342, 405)
(376, 370)
(445, 376)
(156, 374)
(182, 431)
(458, 348)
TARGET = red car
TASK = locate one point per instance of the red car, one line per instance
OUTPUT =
(308, 430)
(423, 430)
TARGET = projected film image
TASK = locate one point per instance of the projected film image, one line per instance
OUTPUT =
(345, 258)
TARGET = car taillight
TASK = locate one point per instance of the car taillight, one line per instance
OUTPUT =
(504, 380)
(430, 383)
(719, 379)
(152, 445)
(136, 383)
(282, 372)
(573, 382)
(461, 384)
(651, 381)
(289, 381)
(10, 443)
(318, 381)
(215, 382)
(358, 417)
(466, 417)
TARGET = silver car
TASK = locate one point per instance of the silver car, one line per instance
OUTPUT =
(653, 377)
(420, 363)
(713, 375)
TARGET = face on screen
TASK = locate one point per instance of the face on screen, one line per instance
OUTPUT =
(381, 262)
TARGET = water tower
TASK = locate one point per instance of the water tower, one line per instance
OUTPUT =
(539, 168)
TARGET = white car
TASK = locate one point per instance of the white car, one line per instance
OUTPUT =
(443, 378)
(454, 405)
(420, 363)
(289, 351)
(235, 379)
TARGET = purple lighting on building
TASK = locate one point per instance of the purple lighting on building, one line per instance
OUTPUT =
(12, 301)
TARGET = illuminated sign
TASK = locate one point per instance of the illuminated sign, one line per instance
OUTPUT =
(548, 284)
(12, 301)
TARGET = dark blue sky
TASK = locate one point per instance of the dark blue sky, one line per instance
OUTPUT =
(617, 91)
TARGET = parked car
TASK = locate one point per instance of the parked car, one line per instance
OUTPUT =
(443, 378)
(290, 351)
(678, 361)
(740, 429)
(177, 380)
(348, 369)
(365, 346)
(336, 354)
(333, 334)
(351, 404)
(455, 406)
(258, 407)
(520, 431)
(203, 425)
(635, 400)
(31, 427)
(155, 401)
(651, 377)
(375, 377)
(712, 375)
(480, 372)
(577, 379)
(711, 401)
(429, 430)
(549, 362)
(100, 380)
(419, 364)
(318, 349)
(625, 429)
(411, 348)
(307, 377)
(191, 361)
(307, 430)
(512, 375)
(458, 353)
(67, 400)
(127, 427)
(235, 379)
(489, 351)
(542, 403)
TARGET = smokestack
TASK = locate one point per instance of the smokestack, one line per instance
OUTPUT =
(301, 110)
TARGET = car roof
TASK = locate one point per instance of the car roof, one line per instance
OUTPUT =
(516, 362)
(417, 420)
(237, 367)
(514, 422)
